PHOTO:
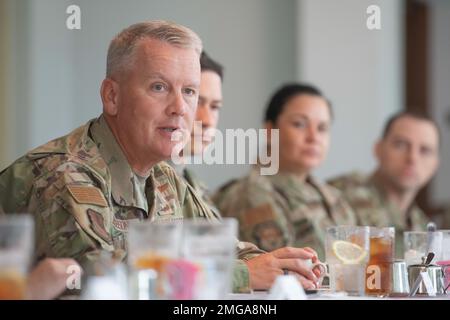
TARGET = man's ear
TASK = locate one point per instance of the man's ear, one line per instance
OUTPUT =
(109, 92)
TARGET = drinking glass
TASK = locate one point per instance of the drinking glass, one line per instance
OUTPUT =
(211, 247)
(378, 272)
(445, 258)
(151, 247)
(16, 245)
(417, 244)
(347, 254)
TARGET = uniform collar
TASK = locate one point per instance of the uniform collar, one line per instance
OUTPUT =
(179, 168)
(183, 171)
(126, 188)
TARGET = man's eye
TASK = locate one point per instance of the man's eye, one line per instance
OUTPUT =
(189, 91)
(215, 107)
(324, 128)
(158, 87)
(426, 151)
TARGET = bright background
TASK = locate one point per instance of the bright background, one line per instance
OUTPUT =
(50, 76)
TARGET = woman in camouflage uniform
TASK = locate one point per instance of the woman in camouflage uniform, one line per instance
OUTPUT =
(291, 207)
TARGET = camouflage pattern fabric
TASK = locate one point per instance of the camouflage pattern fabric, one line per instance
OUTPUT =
(83, 194)
(198, 185)
(281, 210)
(372, 208)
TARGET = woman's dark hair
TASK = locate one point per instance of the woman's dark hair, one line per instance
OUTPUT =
(285, 93)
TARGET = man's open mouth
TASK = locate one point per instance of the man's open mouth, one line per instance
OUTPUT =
(169, 129)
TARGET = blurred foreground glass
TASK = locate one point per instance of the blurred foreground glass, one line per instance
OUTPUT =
(378, 272)
(105, 278)
(419, 243)
(347, 253)
(211, 247)
(16, 245)
(151, 246)
(444, 262)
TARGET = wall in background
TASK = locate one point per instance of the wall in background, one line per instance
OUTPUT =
(440, 93)
(59, 71)
(5, 34)
(360, 70)
(261, 43)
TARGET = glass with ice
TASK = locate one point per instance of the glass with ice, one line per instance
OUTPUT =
(347, 254)
(212, 248)
(444, 262)
(417, 244)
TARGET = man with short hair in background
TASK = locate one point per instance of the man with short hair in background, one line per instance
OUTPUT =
(407, 158)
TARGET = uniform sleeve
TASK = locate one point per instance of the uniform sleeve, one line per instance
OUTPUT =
(241, 278)
(348, 181)
(71, 216)
(260, 218)
(241, 275)
(338, 182)
(15, 187)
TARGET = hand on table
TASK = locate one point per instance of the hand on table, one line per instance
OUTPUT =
(266, 267)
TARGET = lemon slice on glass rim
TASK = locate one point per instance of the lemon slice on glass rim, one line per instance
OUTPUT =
(348, 252)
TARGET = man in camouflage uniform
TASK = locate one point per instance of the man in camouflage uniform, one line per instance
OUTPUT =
(83, 193)
(84, 188)
(280, 210)
(408, 156)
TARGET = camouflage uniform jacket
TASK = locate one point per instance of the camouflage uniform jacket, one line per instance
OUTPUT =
(280, 210)
(83, 193)
(372, 208)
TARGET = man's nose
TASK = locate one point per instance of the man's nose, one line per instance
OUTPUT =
(178, 105)
(413, 155)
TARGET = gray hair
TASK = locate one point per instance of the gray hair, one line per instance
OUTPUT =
(121, 48)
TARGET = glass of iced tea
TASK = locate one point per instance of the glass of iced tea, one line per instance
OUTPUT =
(378, 272)
(16, 245)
